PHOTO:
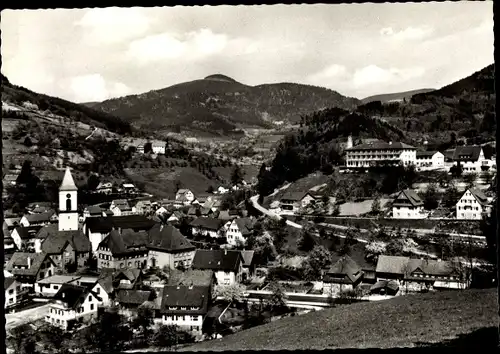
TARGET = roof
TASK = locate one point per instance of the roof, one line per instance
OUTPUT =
(125, 242)
(11, 221)
(59, 279)
(217, 260)
(410, 195)
(392, 264)
(381, 284)
(130, 273)
(431, 267)
(422, 154)
(168, 238)
(128, 185)
(245, 225)
(21, 259)
(247, 257)
(295, 196)
(183, 191)
(106, 223)
(191, 277)
(207, 223)
(479, 195)
(381, 145)
(132, 297)
(467, 153)
(41, 217)
(72, 295)
(143, 202)
(55, 240)
(68, 184)
(224, 215)
(27, 232)
(107, 283)
(41, 209)
(345, 268)
(121, 204)
(7, 282)
(185, 296)
(94, 209)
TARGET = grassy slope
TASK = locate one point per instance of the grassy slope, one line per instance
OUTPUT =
(395, 96)
(404, 321)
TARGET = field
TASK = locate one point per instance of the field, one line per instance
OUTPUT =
(466, 318)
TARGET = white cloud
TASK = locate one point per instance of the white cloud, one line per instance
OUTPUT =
(372, 74)
(113, 25)
(409, 33)
(332, 72)
(93, 87)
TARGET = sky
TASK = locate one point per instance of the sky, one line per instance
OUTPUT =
(359, 50)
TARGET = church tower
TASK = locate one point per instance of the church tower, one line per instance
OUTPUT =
(68, 212)
(349, 142)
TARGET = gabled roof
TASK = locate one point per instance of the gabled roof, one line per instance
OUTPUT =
(191, 277)
(56, 241)
(381, 145)
(467, 153)
(295, 196)
(131, 274)
(426, 154)
(132, 297)
(21, 259)
(245, 225)
(183, 191)
(346, 269)
(7, 282)
(72, 295)
(381, 284)
(207, 223)
(68, 184)
(412, 198)
(59, 279)
(42, 217)
(94, 210)
(392, 264)
(431, 267)
(42, 209)
(121, 204)
(185, 296)
(247, 257)
(107, 223)
(25, 233)
(479, 195)
(143, 203)
(217, 260)
(168, 238)
(125, 242)
(10, 222)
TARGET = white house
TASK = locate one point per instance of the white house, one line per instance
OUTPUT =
(222, 190)
(11, 287)
(96, 286)
(161, 210)
(72, 304)
(380, 152)
(25, 236)
(120, 207)
(40, 219)
(238, 230)
(158, 148)
(208, 226)
(28, 268)
(472, 205)
(429, 160)
(344, 275)
(408, 205)
(142, 207)
(227, 265)
(292, 202)
(471, 158)
(185, 306)
(185, 196)
(105, 188)
(49, 286)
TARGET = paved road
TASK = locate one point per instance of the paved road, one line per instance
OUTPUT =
(271, 214)
(15, 319)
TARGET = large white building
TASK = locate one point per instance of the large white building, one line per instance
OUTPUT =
(429, 160)
(472, 205)
(408, 205)
(380, 153)
(68, 211)
(470, 158)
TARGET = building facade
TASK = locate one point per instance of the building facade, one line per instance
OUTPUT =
(380, 153)
(473, 205)
(408, 205)
(429, 160)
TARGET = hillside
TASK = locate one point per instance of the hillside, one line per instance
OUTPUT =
(397, 96)
(455, 318)
(220, 105)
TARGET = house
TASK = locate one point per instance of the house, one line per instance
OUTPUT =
(200, 211)
(11, 287)
(175, 217)
(28, 268)
(10, 224)
(128, 188)
(38, 219)
(96, 229)
(158, 147)
(185, 306)
(238, 230)
(161, 211)
(40, 209)
(8, 242)
(71, 305)
(92, 211)
(159, 247)
(142, 207)
(380, 153)
(408, 205)
(471, 158)
(227, 265)
(344, 275)
(429, 160)
(185, 196)
(207, 226)
(24, 237)
(10, 179)
(225, 216)
(222, 190)
(473, 205)
(248, 264)
(105, 188)
(48, 287)
(292, 202)
(65, 247)
(120, 207)
(391, 267)
(385, 287)
(131, 299)
(95, 285)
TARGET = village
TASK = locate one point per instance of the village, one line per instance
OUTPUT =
(189, 261)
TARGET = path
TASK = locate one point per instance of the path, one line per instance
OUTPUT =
(271, 214)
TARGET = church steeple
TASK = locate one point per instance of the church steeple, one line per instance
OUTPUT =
(68, 198)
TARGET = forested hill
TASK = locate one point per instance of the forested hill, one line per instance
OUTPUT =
(220, 105)
(45, 105)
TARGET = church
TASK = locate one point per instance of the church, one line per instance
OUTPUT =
(65, 242)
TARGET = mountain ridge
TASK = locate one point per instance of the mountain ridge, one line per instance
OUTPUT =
(393, 96)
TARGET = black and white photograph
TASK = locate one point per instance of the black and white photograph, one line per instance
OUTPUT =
(251, 177)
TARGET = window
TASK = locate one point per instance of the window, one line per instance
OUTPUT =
(11, 291)
(91, 307)
(42, 274)
(56, 287)
(98, 290)
(90, 297)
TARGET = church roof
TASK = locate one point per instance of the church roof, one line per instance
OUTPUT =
(68, 184)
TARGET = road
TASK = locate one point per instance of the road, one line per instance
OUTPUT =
(15, 319)
(269, 213)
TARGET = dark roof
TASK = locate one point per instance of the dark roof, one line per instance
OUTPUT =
(130, 273)
(107, 223)
(42, 209)
(217, 260)
(21, 259)
(94, 210)
(72, 295)
(7, 282)
(168, 238)
(125, 242)
(245, 225)
(106, 282)
(345, 270)
(208, 223)
(479, 195)
(56, 240)
(381, 145)
(431, 267)
(41, 217)
(185, 296)
(410, 196)
(426, 153)
(295, 196)
(132, 297)
(191, 277)
(27, 232)
(467, 153)
(121, 204)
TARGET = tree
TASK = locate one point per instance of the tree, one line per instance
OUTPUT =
(166, 336)
(236, 175)
(374, 249)
(336, 210)
(232, 293)
(148, 147)
(54, 339)
(315, 262)
(92, 182)
(278, 297)
(431, 197)
(143, 322)
(376, 206)
(22, 339)
(111, 333)
(306, 240)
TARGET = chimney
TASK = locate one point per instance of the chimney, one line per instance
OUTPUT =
(29, 262)
(225, 252)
